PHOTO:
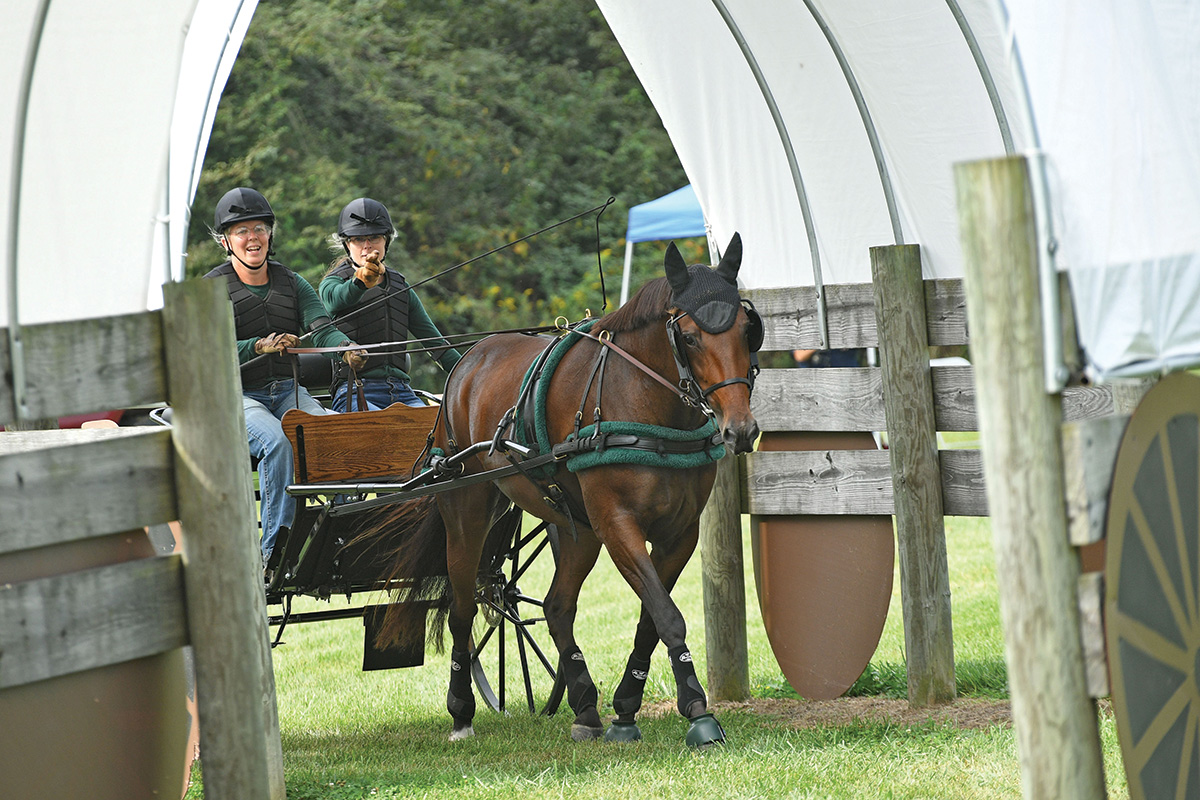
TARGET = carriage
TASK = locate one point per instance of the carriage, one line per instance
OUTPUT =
(341, 460)
(408, 511)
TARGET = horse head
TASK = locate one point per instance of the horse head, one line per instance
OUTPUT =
(714, 335)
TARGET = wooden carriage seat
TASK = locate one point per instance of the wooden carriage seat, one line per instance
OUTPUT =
(312, 557)
(363, 444)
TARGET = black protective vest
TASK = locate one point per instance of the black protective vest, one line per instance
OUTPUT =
(256, 317)
(379, 321)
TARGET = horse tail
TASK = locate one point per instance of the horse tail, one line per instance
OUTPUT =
(411, 537)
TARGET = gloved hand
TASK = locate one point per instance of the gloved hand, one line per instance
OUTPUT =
(357, 359)
(276, 342)
(370, 273)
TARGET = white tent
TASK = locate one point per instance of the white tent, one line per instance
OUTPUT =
(816, 128)
(86, 101)
(821, 128)
(212, 45)
(676, 214)
(97, 98)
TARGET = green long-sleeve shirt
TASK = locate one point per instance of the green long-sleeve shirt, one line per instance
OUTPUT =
(340, 295)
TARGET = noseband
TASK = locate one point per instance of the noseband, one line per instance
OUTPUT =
(692, 394)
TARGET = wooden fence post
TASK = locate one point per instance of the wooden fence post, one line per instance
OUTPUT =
(916, 473)
(724, 586)
(1058, 736)
(239, 724)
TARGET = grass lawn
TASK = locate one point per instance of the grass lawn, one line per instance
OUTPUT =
(350, 734)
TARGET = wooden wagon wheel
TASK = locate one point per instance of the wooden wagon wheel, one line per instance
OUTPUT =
(1152, 595)
(515, 648)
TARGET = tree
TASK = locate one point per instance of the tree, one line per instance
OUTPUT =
(476, 123)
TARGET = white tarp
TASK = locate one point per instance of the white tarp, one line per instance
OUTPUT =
(93, 166)
(120, 109)
(1115, 88)
(213, 41)
(877, 101)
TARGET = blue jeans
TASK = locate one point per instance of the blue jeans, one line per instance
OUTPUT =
(379, 392)
(263, 409)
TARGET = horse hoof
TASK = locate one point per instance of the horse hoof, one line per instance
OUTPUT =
(705, 731)
(459, 734)
(585, 733)
(623, 732)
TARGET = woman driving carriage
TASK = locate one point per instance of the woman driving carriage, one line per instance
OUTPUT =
(272, 308)
(374, 304)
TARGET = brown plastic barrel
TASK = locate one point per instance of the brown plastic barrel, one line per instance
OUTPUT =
(115, 733)
(824, 582)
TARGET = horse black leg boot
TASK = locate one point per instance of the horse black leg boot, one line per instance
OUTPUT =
(460, 700)
(582, 696)
(704, 729)
(627, 701)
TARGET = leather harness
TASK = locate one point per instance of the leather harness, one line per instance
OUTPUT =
(538, 465)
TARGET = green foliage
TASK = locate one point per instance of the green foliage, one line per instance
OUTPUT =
(475, 123)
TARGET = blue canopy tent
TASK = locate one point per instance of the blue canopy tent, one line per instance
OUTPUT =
(677, 214)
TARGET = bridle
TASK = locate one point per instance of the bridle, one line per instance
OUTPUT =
(688, 389)
(691, 393)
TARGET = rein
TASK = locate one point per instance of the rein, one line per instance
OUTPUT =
(308, 335)
(465, 338)
(689, 390)
(608, 342)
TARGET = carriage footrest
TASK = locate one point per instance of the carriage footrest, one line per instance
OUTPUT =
(395, 657)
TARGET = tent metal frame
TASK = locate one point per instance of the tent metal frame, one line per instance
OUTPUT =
(16, 345)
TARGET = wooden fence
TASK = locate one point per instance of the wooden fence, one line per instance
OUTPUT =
(67, 490)
(901, 315)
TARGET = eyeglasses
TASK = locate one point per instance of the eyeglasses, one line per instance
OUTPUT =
(362, 241)
(259, 230)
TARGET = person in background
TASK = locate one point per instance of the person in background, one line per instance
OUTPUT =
(854, 357)
(373, 304)
(272, 308)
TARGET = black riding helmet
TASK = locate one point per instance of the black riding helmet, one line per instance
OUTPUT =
(239, 205)
(365, 217)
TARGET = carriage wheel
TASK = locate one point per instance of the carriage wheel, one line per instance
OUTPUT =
(513, 656)
(1152, 601)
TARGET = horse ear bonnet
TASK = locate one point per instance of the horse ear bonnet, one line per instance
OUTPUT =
(709, 296)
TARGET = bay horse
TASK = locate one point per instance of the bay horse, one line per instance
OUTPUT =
(664, 409)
